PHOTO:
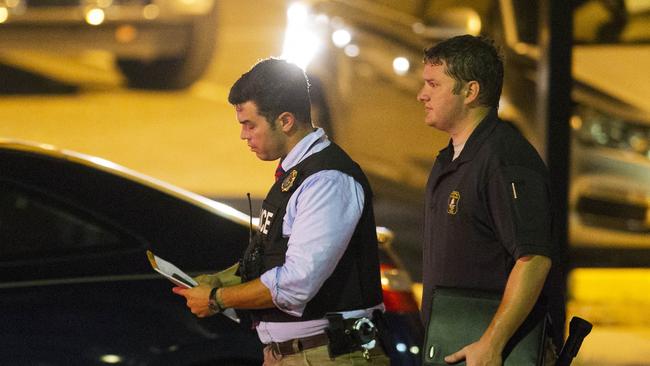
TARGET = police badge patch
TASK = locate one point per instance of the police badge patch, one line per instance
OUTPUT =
(452, 207)
(287, 183)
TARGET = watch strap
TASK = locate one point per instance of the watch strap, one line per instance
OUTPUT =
(214, 302)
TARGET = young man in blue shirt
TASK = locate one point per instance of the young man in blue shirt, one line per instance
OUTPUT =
(315, 251)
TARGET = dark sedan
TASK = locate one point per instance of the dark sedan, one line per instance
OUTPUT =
(75, 283)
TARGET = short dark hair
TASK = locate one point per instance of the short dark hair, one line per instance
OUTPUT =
(275, 86)
(471, 58)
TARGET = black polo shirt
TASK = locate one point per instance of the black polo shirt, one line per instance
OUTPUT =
(484, 210)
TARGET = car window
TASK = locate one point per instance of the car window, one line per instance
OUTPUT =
(32, 225)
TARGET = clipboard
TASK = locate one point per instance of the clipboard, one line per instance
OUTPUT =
(170, 271)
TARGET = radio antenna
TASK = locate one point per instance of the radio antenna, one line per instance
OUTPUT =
(250, 217)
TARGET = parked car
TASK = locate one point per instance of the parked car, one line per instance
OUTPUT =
(76, 287)
(158, 44)
(368, 66)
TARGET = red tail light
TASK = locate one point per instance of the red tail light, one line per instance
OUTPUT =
(396, 288)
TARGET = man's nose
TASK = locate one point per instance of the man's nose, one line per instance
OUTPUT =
(422, 97)
(242, 134)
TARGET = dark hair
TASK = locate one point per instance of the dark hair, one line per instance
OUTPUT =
(471, 58)
(275, 86)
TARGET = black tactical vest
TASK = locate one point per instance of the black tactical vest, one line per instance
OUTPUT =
(355, 283)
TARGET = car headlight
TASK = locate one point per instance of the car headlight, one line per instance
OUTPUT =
(596, 128)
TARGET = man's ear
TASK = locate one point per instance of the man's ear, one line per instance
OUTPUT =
(472, 89)
(287, 120)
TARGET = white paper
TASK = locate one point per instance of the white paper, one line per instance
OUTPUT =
(170, 271)
(231, 314)
(180, 278)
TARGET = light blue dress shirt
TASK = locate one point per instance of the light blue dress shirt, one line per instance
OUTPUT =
(320, 219)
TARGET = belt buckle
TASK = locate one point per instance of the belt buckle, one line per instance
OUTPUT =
(296, 345)
(288, 347)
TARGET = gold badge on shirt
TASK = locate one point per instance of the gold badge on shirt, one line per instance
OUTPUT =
(452, 207)
(287, 183)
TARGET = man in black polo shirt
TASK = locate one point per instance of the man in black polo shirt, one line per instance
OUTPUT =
(487, 215)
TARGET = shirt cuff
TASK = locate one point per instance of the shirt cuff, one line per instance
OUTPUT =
(270, 280)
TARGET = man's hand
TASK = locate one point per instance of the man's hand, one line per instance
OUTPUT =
(479, 353)
(197, 299)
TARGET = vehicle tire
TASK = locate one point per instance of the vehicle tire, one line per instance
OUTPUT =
(176, 72)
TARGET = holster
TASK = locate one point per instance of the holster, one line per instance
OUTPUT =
(350, 335)
(384, 333)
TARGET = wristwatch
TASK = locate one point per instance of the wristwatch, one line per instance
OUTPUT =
(214, 302)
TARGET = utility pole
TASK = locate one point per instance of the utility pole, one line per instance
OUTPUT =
(554, 111)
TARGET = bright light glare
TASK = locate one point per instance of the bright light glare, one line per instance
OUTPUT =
(474, 24)
(151, 11)
(4, 14)
(576, 122)
(111, 359)
(341, 38)
(401, 347)
(297, 13)
(300, 47)
(126, 33)
(301, 43)
(414, 350)
(401, 65)
(351, 50)
(322, 19)
(103, 162)
(337, 23)
(95, 16)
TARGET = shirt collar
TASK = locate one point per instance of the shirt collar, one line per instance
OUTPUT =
(305, 147)
(475, 140)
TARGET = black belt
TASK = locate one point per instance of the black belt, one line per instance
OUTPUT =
(293, 346)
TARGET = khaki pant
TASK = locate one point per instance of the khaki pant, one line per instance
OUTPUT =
(319, 356)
